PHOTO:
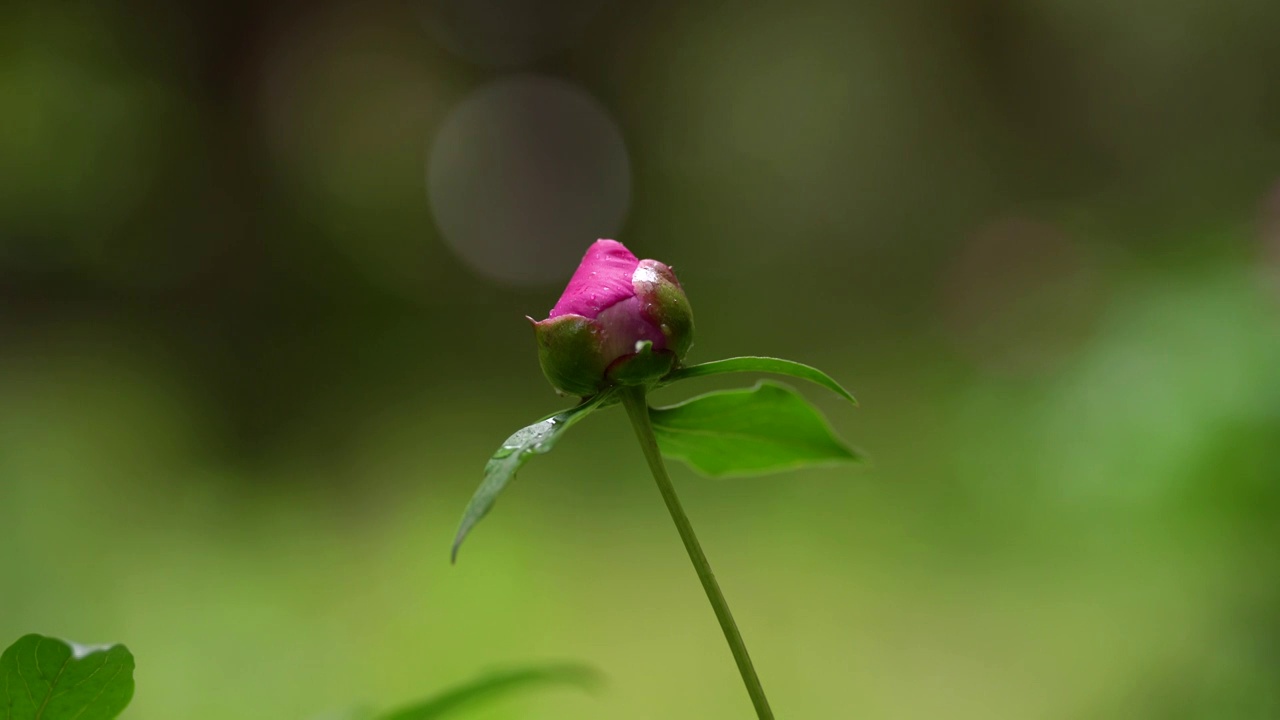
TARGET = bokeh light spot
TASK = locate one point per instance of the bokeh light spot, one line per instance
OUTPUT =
(524, 174)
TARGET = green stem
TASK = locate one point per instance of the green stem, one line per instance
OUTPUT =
(634, 400)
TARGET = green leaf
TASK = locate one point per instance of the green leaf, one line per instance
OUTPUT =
(492, 686)
(765, 365)
(43, 678)
(526, 442)
(763, 429)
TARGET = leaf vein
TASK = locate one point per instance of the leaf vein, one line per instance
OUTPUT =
(105, 685)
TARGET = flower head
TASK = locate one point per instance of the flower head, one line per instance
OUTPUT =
(619, 321)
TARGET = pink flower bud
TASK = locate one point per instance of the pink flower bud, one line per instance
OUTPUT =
(614, 304)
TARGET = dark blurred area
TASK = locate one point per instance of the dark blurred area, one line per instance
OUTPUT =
(263, 273)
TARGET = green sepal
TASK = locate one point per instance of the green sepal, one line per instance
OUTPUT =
(644, 367)
(569, 350)
(667, 306)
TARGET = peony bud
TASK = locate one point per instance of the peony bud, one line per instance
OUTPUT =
(620, 321)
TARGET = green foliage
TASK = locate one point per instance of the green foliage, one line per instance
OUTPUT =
(744, 432)
(737, 432)
(526, 442)
(452, 702)
(493, 686)
(776, 366)
(43, 678)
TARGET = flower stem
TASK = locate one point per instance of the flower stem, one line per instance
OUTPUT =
(638, 409)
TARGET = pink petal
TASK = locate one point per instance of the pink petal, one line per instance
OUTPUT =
(623, 325)
(601, 280)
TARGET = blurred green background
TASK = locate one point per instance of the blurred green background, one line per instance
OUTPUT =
(263, 268)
